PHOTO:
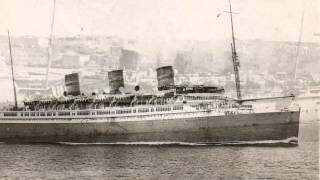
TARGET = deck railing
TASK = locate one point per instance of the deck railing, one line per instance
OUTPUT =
(124, 112)
(92, 112)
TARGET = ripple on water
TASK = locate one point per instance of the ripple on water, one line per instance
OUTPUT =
(167, 162)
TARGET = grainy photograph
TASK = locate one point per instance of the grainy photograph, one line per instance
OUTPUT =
(159, 89)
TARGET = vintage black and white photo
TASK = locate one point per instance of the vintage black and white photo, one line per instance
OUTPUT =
(159, 89)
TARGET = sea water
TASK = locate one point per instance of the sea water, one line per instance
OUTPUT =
(162, 161)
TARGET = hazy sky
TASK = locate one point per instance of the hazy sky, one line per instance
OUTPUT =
(163, 19)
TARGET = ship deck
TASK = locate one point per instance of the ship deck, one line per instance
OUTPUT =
(126, 113)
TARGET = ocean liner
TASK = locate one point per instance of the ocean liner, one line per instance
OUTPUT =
(200, 114)
(175, 113)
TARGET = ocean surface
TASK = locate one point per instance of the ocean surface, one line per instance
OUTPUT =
(93, 161)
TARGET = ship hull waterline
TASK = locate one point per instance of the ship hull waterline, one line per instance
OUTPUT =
(211, 129)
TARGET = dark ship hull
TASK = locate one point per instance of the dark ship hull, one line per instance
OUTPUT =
(210, 129)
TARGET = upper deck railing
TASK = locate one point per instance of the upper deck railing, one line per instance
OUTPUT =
(131, 111)
(108, 112)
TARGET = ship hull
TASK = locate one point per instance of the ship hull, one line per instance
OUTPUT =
(231, 128)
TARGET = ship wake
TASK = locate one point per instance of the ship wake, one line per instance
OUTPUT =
(269, 143)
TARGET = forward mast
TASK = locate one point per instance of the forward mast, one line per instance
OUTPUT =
(235, 59)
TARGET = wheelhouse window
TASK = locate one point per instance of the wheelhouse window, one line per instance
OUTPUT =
(83, 113)
(64, 114)
(10, 114)
(142, 110)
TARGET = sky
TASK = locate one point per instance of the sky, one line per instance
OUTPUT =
(275, 20)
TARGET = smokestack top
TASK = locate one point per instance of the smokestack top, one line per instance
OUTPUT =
(165, 77)
(115, 81)
(72, 84)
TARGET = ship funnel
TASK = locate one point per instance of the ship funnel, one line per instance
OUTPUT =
(72, 84)
(165, 77)
(115, 81)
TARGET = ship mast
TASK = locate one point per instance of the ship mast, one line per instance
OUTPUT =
(50, 44)
(235, 60)
(298, 47)
(12, 73)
